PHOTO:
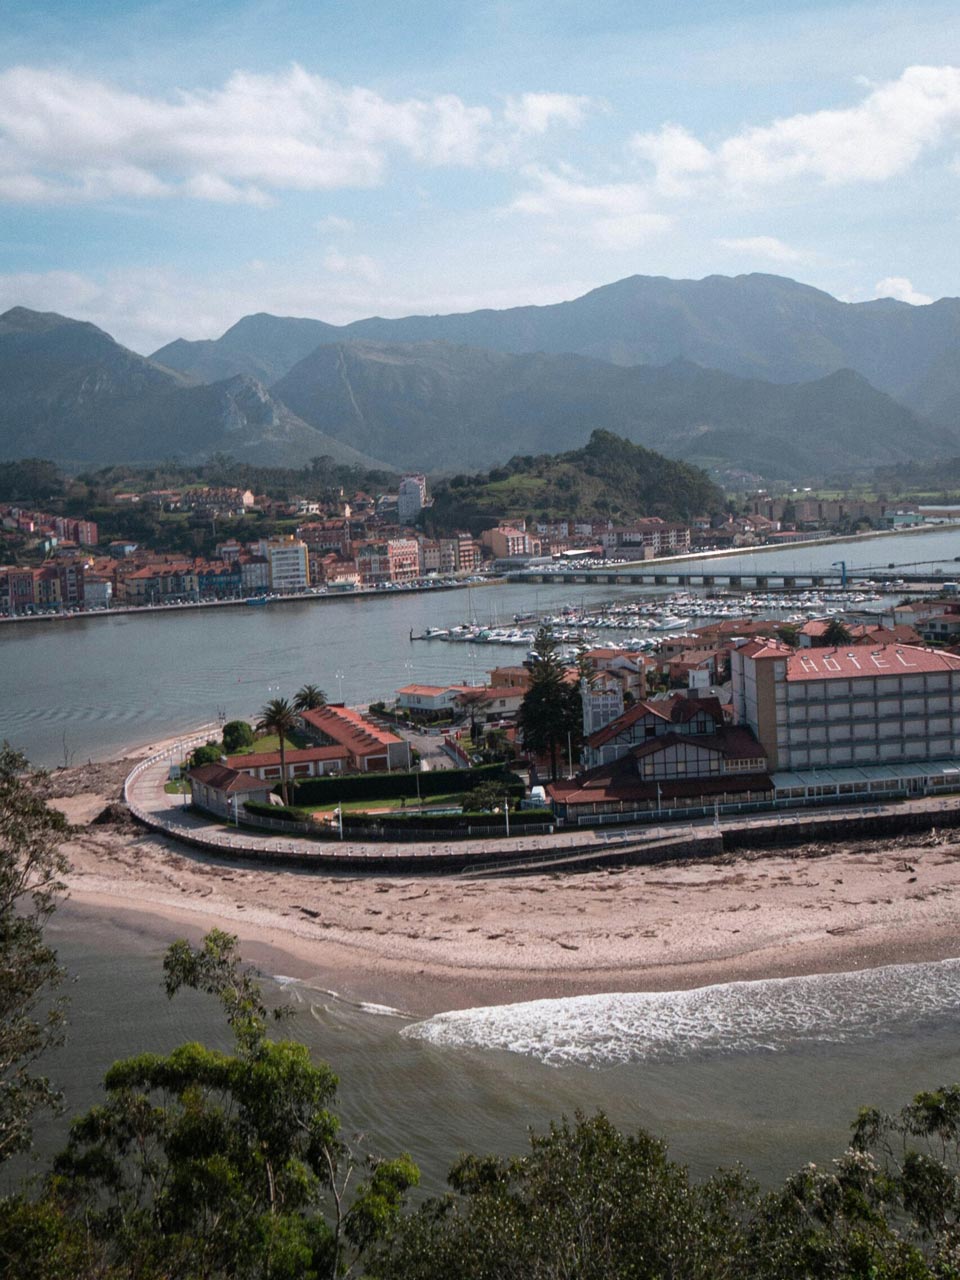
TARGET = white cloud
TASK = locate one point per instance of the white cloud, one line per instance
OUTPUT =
(64, 137)
(901, 288)
(332, 222)
(357, 264)
(879, 138)
(144, 309)
(675, 155)
(535, 113)
(765, 247)
(616, 215)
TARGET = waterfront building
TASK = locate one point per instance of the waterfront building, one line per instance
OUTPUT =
(306, 762)
(854, 705)
(223, 791)
(392, 560)
(289, 562)
(411, 498)
(602, 700)
(649, 719)
(509, 541)
(369, 748)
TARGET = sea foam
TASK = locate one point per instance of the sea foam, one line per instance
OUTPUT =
(773, 1014)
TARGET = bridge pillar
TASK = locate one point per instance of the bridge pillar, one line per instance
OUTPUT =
(660, 580)
(734, 580)
(762, 582)
(708, 580)
(612, 579)
(789, 582)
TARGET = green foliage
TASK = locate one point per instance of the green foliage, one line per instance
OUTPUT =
(212, 1164)
(31, 1016)
(309, 698)
(208, 753)
(488, 795)
(551, 713)
(609, 477)
(30, 480)
(237, 737)
(586, 1202)
(279, 717)
(835, 634)
(282, 812)
(389, 786)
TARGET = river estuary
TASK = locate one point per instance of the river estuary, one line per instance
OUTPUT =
(768, 1073)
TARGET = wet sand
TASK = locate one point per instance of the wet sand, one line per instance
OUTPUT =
(428, 944)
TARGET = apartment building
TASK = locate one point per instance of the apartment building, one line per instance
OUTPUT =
(507, 541)
(289, 562)
(393, 560)
(852, 706)
(411, 498)
(648, 538)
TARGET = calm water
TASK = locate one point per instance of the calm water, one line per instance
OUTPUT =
(774, 1094)
(768, 1073)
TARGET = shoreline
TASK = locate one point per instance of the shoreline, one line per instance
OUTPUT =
(428, 944)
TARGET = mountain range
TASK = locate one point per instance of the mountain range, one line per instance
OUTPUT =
(754, 374)
(70, 393)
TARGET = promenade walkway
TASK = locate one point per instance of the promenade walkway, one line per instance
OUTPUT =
(167, 814)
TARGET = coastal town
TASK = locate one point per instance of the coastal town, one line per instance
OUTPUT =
(362, 543)
(761, 713)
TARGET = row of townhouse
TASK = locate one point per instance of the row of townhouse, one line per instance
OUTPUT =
(41, 524)
(647, 538)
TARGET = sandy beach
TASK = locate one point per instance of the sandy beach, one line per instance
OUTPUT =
(428, 944)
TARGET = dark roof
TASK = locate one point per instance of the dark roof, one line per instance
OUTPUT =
(677, 710)
(629, 788)
(731, 742)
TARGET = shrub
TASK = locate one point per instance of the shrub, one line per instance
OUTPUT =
(237, 736)
(389, 786)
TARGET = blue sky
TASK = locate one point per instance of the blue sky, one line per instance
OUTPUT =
(166, 168)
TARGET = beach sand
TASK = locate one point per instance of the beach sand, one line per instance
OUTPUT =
(425, 944)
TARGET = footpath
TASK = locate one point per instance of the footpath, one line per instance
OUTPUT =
(580, 849)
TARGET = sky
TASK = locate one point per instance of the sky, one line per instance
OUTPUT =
(167, 168)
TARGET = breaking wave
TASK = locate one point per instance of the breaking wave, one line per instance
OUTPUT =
(735, 1017)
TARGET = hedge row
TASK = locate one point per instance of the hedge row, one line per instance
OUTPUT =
(444, 821)
(282, 812)
(388, 786)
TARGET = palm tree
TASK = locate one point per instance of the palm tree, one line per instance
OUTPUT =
(280, 718)
(309, 698)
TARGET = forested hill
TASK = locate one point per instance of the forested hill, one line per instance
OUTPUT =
(608, 477)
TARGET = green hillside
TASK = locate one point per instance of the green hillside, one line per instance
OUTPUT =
(609, 477)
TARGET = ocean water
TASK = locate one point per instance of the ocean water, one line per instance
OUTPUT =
(767, 1073)
(772, 1015)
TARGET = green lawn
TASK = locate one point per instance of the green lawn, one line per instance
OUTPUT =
(386, 806)
(270, 742)
(178, 788)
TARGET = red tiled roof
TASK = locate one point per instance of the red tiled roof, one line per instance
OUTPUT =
(765, 649)
(864, 660)
(431, 690)
(351, 729)
(263, 759)
(222, 778)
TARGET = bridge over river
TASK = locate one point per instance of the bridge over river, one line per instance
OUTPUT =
(678, 573)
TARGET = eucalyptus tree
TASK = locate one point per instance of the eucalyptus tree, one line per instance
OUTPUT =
(31, 1015)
